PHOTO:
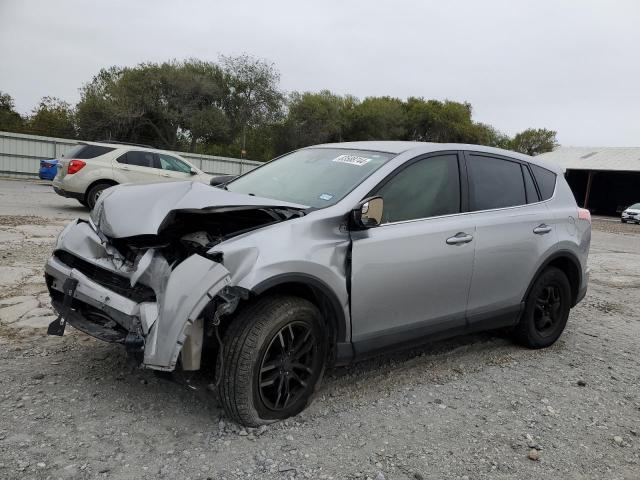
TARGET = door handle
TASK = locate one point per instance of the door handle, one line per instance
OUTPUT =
(542, 229)
(165, 174)
(459, 238)
(125, 168)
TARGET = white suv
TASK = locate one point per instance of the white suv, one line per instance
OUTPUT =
(89, 168)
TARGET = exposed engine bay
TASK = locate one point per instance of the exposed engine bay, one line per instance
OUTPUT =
(187, 232)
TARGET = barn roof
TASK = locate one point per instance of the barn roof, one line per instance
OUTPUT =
(595, 158)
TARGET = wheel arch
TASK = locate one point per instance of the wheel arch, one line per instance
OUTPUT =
(96, 182)
(568, 263)
(314, 290)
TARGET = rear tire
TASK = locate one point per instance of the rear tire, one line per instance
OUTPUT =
(273, 359)
(94, 193)
(546, 310)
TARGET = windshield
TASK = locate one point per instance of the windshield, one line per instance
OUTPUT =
(317, 177)
(635, 206)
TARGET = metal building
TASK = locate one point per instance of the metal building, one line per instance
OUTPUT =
(605, 180)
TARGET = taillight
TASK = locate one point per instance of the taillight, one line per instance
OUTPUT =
(584, 214)
(75, 166)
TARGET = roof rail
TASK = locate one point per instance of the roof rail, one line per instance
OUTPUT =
(124, 143)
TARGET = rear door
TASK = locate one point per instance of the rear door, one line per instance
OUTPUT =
(514, 229)
(137, 166)
(411, 275)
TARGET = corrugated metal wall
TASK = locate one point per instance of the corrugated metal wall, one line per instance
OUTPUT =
(20, 156)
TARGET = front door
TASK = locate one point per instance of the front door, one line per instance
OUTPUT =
(173, 168)
(411, 275)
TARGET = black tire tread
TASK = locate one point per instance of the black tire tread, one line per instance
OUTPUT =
(522, 331)
(240, 343)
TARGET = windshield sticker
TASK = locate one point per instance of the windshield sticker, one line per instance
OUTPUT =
(326, 196)
(352, 160)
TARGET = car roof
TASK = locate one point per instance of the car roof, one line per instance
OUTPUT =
(130, 146)
(398, 147)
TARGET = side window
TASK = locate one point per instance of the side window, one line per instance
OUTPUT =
(141, 159)
(530, 187)
(167, 162)
(426, 188)
(495, 183)
(546, 180)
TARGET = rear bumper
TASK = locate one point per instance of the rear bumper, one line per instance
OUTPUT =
(65, 193)
(582, 292)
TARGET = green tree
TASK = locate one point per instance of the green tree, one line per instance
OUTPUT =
(314, 118)
(377, 118)
(534, 141)
(10, 120)
(254, 98)
(53, 118)
(170, 105)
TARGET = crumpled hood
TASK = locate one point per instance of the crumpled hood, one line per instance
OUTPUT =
(139, 209)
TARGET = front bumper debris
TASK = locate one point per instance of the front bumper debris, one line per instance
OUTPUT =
(156, 325)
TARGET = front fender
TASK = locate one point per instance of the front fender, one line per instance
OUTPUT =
(191, 285)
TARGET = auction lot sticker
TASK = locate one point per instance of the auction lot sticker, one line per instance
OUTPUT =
(352, 160)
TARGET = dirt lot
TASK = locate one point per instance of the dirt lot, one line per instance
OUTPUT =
(475, 407)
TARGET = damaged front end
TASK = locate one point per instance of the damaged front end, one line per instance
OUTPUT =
(151, 291)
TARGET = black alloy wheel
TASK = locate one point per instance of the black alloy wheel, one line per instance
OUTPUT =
(288, 365)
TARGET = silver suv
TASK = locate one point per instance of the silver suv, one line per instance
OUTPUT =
(322, 257)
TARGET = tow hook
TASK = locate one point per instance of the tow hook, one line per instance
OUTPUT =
(58, 325)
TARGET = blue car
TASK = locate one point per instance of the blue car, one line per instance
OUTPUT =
(48, 169)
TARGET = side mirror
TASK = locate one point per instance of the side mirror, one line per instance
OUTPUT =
(221, 179)
(368, 214)
(193, 171)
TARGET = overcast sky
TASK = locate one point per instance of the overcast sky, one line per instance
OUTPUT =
(568, 65)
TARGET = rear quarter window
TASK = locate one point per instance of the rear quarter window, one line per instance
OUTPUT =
(546, 181)
(84, 152)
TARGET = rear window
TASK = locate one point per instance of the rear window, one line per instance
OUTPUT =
(495, 183)
(546, 181)
(87, 151)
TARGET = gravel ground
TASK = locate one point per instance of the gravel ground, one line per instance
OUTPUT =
(474, 407)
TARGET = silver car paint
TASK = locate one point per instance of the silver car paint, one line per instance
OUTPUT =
(316, 246)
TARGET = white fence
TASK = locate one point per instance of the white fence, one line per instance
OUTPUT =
(20, 156)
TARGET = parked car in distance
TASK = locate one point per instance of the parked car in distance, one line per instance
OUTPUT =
(92, 167)
(631, 214)
(321, 257)
(48, 169)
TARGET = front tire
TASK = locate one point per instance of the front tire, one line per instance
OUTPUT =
(272, 361)
(546, 310)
